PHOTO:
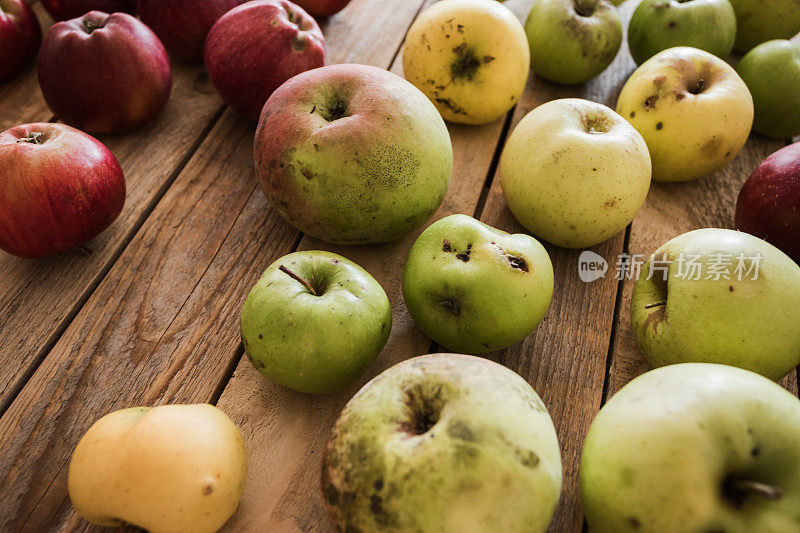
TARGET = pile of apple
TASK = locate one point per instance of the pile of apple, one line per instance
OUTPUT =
(352, 154)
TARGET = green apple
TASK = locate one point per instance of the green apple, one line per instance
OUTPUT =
(772, 73)
(694, 448)
(315, 321)
(443, 443)
(572, 41)
(764, 20)
(469, 57)
(574, 172)
(719, 296)
(656, 25)
(169, 469)
(475, 289)
(693, 110)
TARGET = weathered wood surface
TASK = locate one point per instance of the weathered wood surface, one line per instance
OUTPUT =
(148, 313)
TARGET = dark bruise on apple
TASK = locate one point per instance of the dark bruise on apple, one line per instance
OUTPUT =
(20, 37)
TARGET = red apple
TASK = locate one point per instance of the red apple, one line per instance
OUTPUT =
(769, 202)
(182, 25)
(254, 48)
(20, 37)
(322, 8)
(70, 9)
(104, 73)
(58, 188)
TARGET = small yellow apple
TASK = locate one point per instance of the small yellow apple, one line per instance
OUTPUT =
(173, 468)
(470, 57)
(693, 110)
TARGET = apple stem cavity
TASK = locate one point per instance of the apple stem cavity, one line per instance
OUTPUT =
(297, 278)
(585, 8)
(89, 26)
(660, 303)
(34, 137)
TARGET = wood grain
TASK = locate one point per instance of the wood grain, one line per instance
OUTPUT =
(151, 330)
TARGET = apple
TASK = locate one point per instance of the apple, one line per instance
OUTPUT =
(470, 57)
(322, 8)
(104, 73)
(254, 48)
(656, 25)
(693, 110)
(572, 41)
(58, 188)
(353, 154)
(447, 443)
(694, 448)
(70, 9)
(769, 202)
(719, 296)
(182, 25)
(20, 37)
(772, 73)
(574, 172)
(171, 468)
(315, 321)
(476, 289)
(763, 20)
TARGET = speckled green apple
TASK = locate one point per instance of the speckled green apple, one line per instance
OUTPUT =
(315, 321)
(694, 448)
(476, 289)
(764, 20)
(656, 25)
(693, 110)
(740, 306)
(772, 73)
(574, 172)
(352, 154)
(572, 41)
(443, 443)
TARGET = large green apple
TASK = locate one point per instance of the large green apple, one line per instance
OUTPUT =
(772, 73)
(719, 296)
(572, 41)
(656, 25)
(764, 20)
(475, 289)
(693, 110)
(694, 448)
(315, 321)
(574, 172)
(443, 443)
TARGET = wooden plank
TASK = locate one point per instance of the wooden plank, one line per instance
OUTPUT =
(150, 332)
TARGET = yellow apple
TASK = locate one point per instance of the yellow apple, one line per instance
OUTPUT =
(470, 57)
(173, 468)
(693, 110)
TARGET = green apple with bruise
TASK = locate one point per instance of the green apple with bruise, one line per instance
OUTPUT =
(764, 20)
(719, 296)
(476, 289)
(572, 41)
(693, 110)
(694, 448)
(315, 321)
(443, 443)
(656, 25)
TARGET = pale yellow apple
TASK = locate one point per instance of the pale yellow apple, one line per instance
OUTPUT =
(173, 468)
(470, 57)
(692, 108)
(574, 172)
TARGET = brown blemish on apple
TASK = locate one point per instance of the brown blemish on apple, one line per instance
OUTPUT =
(464, 256)
(446, 246)
(711, 148)
(518, 263)
(528, 458)
(459, 430)
(208, 488)
(610, 204)
(650, 101)
(634, 522)
(452, 305)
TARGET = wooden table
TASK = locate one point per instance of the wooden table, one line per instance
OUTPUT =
(148, 313)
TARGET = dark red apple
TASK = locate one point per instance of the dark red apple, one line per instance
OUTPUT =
(70, 9)
(769, 202)
(182, 25)
(104, 73)
(322, 8)
(20, 37)
(254, 48)
(58, 188)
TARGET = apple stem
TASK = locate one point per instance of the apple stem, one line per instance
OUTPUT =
(34, 137)
(295, 277)
(769, 492)
(656, 304)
